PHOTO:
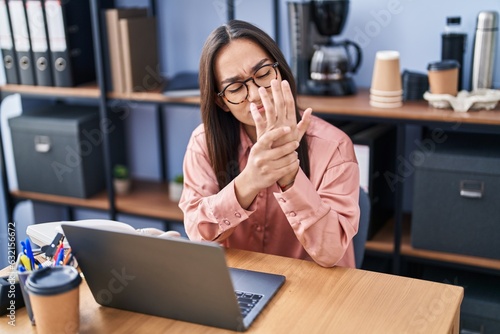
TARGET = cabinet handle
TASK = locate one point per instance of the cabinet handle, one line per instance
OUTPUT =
(471, 189)
(42, 144)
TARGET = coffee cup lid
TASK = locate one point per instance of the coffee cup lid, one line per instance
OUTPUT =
(441, 65)
(53, 280)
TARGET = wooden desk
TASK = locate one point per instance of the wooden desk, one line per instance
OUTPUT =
(312, 300)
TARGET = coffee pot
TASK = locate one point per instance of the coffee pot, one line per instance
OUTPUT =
(322, 65)
(335, 61)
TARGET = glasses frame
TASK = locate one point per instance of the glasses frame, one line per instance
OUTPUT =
(252, 78)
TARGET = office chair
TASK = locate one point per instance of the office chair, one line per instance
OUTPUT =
(359, 239)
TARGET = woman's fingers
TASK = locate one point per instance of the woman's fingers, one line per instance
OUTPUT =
(289, 103)
(279, 101)
(268, 107)
(304, 123)
(260, 122)
(268, 138)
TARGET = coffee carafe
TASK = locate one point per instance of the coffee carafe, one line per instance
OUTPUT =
(322, 66)
(332, 65)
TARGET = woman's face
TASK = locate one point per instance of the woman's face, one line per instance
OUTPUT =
(238, 61)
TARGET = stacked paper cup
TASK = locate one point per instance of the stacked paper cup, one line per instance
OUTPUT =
(386, 89)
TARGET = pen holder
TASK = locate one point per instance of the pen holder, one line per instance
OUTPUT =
(22, 277)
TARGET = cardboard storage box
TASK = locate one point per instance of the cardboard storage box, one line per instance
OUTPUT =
(58, 150)
(456, 206)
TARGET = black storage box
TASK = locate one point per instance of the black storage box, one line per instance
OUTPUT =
(58, 150)
(456, 205)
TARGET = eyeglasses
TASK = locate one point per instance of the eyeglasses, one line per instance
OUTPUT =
(237, 92)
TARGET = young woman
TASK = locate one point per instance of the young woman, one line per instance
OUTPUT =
(259, 174)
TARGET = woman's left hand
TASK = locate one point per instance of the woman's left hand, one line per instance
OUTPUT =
(279, 112)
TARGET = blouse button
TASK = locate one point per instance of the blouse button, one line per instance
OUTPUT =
(258, 228)
(292, 214)
(237, 214)
(227, 222)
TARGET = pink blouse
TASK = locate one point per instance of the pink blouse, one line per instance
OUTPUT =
(315, 219)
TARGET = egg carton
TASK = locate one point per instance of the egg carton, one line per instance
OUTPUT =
(484, 99)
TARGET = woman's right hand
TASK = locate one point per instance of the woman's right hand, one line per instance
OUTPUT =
(266, 164)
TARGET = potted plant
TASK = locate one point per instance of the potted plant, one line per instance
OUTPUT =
(175, 188)
(121, 180)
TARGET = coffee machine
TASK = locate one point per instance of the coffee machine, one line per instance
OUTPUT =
(321, 65)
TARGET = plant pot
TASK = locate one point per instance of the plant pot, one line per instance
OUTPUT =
(122, 186)
(175, 191)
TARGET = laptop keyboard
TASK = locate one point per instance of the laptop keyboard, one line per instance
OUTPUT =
(247, 301)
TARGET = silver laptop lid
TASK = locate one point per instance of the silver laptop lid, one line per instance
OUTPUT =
(173, 278)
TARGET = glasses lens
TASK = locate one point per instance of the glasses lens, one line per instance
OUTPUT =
(236, 92)
(264, 75)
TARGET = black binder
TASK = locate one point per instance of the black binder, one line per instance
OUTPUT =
(39, 42)
(70, 40)
(7, 45)
(22, 43)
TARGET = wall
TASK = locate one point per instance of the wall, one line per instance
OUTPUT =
(412, 27)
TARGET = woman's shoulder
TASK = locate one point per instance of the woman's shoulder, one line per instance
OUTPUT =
(198, 139)
(326, 140)
(199, 131)
(323, 130)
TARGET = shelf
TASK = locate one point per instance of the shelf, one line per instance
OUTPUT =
(90, 91)
(154, 97)
(383, 242)
(355, 105)
(147, 198)
(419, 111)
(98, 201)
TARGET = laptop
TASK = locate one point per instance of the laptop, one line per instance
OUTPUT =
(169, 277)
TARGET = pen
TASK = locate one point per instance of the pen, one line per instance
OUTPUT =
(25, 261)
(58, 250)
(29, 252)
(60, 257)
(67, 257)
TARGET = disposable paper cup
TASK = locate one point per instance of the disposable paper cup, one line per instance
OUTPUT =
(385, 104)
(386, 93)
(386, 72)
(443, 77)
(386, 99)
(55, 299)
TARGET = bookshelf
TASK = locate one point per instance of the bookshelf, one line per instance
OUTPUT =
(150, 199)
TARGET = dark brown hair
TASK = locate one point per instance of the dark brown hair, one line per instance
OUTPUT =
(222, 129)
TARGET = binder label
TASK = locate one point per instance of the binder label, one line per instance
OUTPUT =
(37, 26)
(55, 25)
(20, 28)
(5, 35)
